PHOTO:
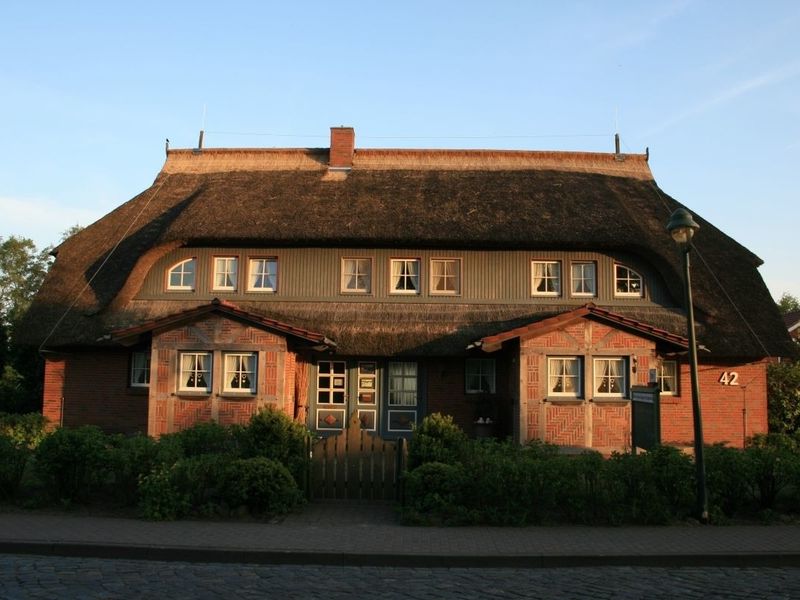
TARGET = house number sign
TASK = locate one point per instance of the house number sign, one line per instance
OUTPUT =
(729, 378)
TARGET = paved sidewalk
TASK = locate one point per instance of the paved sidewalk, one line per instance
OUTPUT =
(341, 533)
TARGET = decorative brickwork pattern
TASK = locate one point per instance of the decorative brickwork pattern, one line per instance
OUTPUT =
(611, 426)
(566, 425)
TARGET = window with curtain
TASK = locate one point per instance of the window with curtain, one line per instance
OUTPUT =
(610, 377)
(564, 376)
(405, 276)
(263, 275)
(140, 369)
(668, 377)
(357, 275)
(627, 282)
(445, 276)
(195, 371)
(546, 277)
(583, 279)
(225, 270)
(181, 275)
(402, 384)
(240, 372)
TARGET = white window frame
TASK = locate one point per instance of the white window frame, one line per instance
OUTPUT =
(403, 275)
(599, 374)
(140, 365)
(338, 370)
(546, 277)
(184, 372)
(674, 376)
(582, 279)
(455, 276)
(553, 361)
(361, 271)
(400, 384)
(228, 268)
(478, 368)
(249, 371)
(183, 273)
(632, 276)
(256, 268)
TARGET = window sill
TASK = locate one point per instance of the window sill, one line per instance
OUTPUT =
(611, 400)
(563, 400)
(237, 395)
(199, 395)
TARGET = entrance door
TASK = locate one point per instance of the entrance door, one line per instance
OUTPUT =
(345, 388)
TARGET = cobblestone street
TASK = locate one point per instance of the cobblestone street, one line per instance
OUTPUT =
(59, 577)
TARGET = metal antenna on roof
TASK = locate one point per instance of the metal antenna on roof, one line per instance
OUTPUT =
(202, 129)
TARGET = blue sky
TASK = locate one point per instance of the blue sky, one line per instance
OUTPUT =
(89, 91)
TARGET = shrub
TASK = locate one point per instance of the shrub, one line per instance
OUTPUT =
(13, 458)
(201, 480)
(159, 498)
(272, 434)
(772, 464)
(437, 494)
(73, 462)
(262, 485)
(203, 438)
(437, 439)
(131, 458)
(28, 429)
(727, 473)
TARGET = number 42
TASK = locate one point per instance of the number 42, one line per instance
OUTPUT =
(729, 378)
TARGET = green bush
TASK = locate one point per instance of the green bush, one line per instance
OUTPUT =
(73, 463)
(131, 458)
(202, 479)
(13, 459)
(727, 474)
(28, 429)
(437, 494)
(437, 439)
(772, 466)
(159, 498)
(262, 485)
(272, 434)
(203, 438)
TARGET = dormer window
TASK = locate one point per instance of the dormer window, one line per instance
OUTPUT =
(181, 276)
(546, 278)
(225, 272)
(357, 275)
(445, 276)
(405, 276)
(584, 280)
(627, 282)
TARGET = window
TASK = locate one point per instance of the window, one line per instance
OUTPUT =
(263, 275)
(583, 278)
(140, 369)
(564, 376)
(195, 374)
(402, 384)
(405, 276)
(546, 277)
(181, 276)
(225, 268)
(240, 372)
(480, 375)
(627, 282)
(357, 275)
(331, 382)
(445, 276)
(610, 377)
(668, 378)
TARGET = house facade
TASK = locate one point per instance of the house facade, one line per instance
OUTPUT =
(524, 293)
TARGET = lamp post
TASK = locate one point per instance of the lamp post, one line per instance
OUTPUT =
(682, 227)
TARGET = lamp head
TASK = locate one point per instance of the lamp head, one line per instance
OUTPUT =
(682, 226)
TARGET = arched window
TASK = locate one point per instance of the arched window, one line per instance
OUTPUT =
(627, 282)
(182, 275)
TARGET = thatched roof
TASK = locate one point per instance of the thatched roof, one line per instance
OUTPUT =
(492, 200)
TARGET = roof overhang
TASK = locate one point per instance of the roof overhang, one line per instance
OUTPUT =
(132, 335)
(493, 343)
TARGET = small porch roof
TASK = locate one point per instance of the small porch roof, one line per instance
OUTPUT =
(494, 342)
(131, 335)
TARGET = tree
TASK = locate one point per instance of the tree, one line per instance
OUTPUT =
(22, 270)
(788, 303)
(783, 397)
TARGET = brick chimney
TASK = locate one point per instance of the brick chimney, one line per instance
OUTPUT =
(343, 141)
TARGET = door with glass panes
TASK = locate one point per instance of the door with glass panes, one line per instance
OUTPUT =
(344, 388)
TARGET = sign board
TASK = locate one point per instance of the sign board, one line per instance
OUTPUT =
(645, 416)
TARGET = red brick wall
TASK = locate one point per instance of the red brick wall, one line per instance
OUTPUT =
(94, 388)
(731, 413)
(172, 410)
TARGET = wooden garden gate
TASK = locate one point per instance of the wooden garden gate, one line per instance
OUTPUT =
(356, 465)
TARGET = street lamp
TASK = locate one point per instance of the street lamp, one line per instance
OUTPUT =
(682, 228)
